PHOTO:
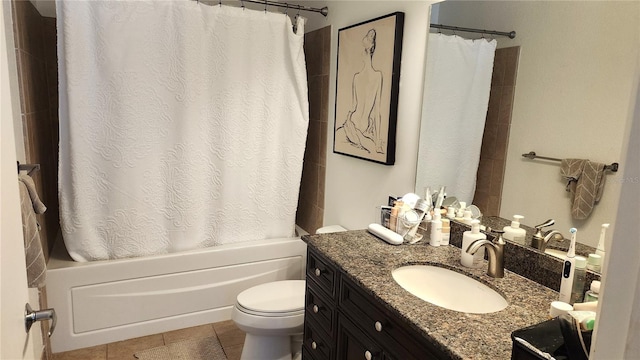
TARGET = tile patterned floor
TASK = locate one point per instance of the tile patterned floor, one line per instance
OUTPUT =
(231, 338)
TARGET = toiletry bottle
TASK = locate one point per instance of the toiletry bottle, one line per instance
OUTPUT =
(451, 212)
(594, 262)
(514, 232)
(468, 260)
(436, 230)
(600, 249)
(578, 280)
(467, 219)
(446, 232)
(568, 269)
(461, 209)
(592, 293)
(393, 218)
(440, 198)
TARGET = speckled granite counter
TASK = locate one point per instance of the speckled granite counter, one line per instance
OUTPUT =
(369, 262)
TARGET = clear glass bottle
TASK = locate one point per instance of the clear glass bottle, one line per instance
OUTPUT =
(578, 280)
(592, 294)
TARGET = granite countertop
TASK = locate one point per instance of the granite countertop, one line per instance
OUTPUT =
(369, 262)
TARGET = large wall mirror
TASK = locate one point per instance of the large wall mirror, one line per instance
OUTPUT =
(571, 99)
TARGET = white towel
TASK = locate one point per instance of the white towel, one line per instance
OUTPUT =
(457, 87)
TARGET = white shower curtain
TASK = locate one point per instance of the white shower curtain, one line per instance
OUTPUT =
(182, 126)
(457, 86)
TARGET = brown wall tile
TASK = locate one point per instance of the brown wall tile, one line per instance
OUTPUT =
(35, 39)
(311, 199)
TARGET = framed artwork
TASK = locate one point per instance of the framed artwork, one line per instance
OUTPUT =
(367, 84)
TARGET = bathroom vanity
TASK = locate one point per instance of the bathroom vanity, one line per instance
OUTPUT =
(355, 310)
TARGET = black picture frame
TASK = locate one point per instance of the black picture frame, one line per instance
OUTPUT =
(367, 87)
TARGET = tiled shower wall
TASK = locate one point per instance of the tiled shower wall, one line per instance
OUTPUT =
(317, 48)
(35, 41)
(493, 155)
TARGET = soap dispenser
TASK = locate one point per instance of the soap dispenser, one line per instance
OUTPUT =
(466, 259)
(514, 232)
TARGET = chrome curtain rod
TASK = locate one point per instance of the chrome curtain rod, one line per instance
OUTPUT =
(324, 11)
(510, 35)
(532, 155)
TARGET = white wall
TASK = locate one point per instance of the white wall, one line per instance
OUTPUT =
(618, 327)
(571, 98)
(353, 187)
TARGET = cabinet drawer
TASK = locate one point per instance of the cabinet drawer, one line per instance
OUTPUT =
(321, 272)
(316, 343)
(354, 344)
(319, 309)
(382, 326)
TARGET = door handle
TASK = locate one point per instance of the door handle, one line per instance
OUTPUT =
(31, 316)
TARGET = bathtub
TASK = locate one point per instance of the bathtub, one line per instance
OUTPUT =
(105, 301)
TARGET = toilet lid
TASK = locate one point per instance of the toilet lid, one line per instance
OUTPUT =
(274, 297)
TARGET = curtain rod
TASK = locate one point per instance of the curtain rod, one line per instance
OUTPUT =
(510, 35)
(324, 11)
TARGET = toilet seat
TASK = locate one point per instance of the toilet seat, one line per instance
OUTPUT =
(274, 299)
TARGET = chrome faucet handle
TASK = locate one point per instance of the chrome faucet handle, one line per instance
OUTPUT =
(545, 224)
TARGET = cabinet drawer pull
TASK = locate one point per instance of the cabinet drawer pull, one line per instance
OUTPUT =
(314, 345)
(378, 326)
(316, 308)
(318, 272)
(367, 355)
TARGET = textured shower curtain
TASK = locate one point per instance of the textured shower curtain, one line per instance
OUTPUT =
(182, 126)
(457, 86)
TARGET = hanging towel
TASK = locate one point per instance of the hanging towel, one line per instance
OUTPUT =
(585, 182)
(31, 205)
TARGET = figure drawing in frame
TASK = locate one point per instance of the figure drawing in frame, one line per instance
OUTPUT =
(362, 125)
(367, 84)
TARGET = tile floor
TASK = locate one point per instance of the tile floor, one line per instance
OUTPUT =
(231, 338)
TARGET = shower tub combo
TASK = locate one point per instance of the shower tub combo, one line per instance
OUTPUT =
(105, 301)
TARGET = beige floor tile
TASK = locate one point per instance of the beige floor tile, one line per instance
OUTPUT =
(125, 349)
(196, 332)
(228, 333)
(91, 353)
(233, 352)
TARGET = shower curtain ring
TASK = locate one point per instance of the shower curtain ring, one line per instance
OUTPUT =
(286, 9)
(220, 3)
(242, 4)
(265, 7)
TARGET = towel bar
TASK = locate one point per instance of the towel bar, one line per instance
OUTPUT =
(532, 155)
(29, 168)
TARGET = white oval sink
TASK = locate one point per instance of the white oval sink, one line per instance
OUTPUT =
(449, 289)
(560, 254)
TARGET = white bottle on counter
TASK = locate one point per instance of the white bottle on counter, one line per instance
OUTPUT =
(514, 232)
(446, 232)
(436, 230)
(468, 260)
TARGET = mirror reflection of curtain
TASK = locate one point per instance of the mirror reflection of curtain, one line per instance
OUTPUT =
(457, 85)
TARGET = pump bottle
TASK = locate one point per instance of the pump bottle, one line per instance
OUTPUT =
(466, 259)
(514, 232)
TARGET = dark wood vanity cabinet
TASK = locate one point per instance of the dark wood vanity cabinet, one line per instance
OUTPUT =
(343, 322)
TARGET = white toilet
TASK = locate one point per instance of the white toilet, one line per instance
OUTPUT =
(272, 315)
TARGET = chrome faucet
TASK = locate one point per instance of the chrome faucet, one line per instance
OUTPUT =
(496, 253)
(541, 239)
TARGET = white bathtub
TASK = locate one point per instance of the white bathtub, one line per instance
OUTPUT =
(106, 301)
